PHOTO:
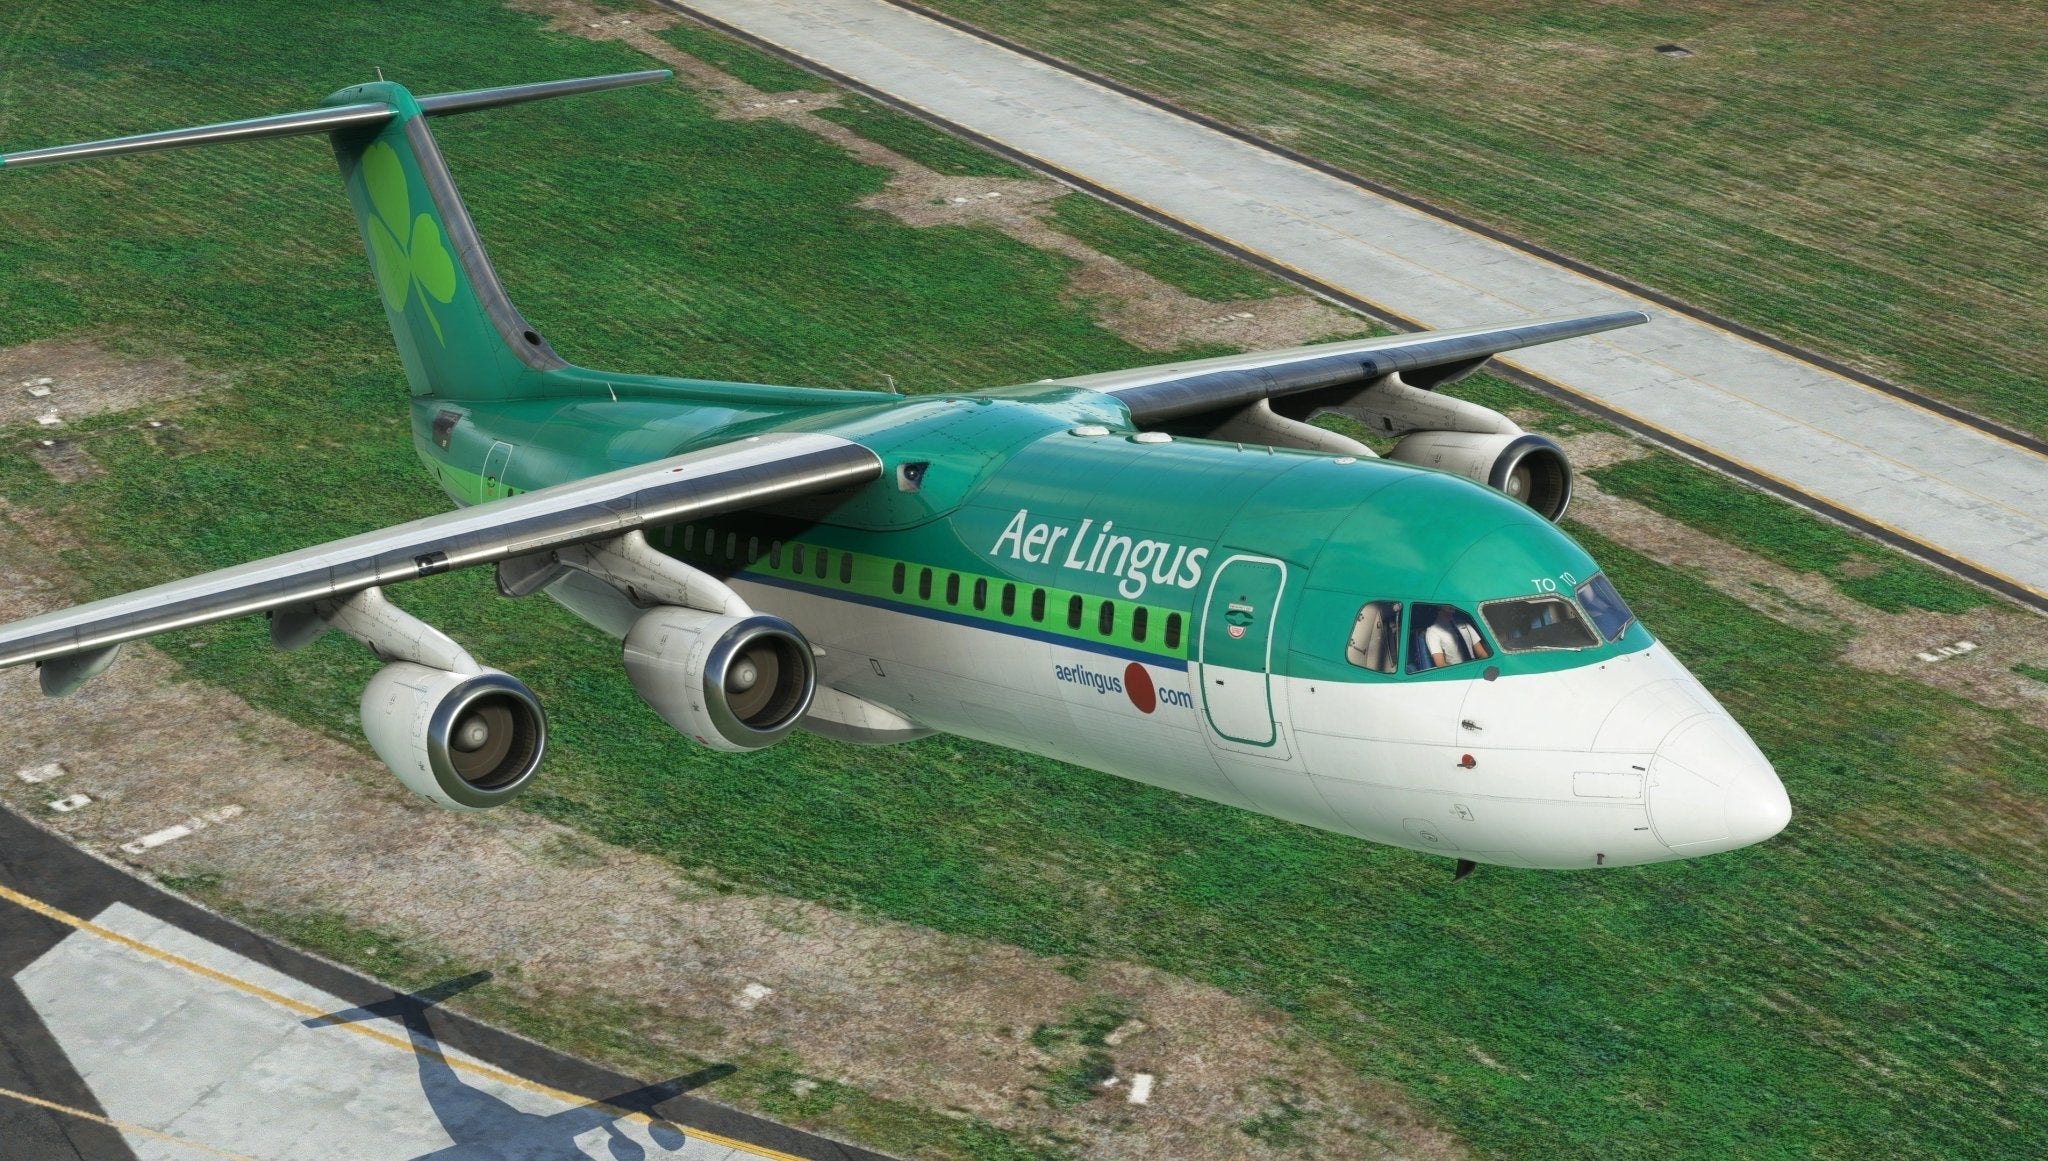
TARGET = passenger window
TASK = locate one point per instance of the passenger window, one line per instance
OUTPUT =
(1440, 636)
(1533, 623)
(1105, 621)
(952, 588)
(924, 584)
(753, 549)
(846, 568)
(1009, 600)
(1074, 606)
(689, 537)
(1605, 606)
(775, 554)
(980, 595)
(1376, 637)
(1038, 604)
(1173, 630)
(896, 578)
(824, 562)
(732, 546)
(1138, 619)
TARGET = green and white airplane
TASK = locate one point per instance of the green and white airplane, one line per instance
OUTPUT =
(1163, 573)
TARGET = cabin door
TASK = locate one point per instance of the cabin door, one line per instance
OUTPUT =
(1235, 660)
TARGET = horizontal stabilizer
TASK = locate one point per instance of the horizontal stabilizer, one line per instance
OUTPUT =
(323, 120)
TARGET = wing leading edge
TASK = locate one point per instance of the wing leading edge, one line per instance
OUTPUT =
(1425, 359)
(760, 470)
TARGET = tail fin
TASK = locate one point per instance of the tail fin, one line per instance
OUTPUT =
(458, 334)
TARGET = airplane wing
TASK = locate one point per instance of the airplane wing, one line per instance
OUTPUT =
(758, 470)
(1426, 359)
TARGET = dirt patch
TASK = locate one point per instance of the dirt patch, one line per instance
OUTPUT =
(899, 1011)
(71, 379)
(1152, 314)
(1874, 640)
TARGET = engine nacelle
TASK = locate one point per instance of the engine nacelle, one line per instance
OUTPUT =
(1529, 467)
(732, 683)
(465, 741)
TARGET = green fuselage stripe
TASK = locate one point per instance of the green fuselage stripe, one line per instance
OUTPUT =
(871, 579)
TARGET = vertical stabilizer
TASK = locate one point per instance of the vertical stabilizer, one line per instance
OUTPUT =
(458, 334)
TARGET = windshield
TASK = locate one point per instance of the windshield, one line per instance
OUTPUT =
(1605, 606)
(1537, 623)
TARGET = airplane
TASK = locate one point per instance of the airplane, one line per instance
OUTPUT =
(1166, 573)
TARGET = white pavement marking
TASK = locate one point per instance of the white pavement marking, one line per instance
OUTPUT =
(175, 1052)
(70, 802)
(1931, 480)
(42, 773)
(180, 830)
(1141, 1089)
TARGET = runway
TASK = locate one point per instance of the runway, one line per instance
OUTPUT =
(136, 1025)
(1951, 488)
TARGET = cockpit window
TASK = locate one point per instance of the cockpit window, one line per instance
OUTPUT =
(1441, 636)
(1376, 637)
(1537, 623)
(1605, 606)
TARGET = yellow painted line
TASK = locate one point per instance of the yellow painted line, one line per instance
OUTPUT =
(122, 1126)
(361, 1029)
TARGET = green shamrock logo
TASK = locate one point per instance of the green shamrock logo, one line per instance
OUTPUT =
(406, 249)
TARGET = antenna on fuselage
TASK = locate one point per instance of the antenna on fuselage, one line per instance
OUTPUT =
(380, 72)
(1464, 868)
(891, 380)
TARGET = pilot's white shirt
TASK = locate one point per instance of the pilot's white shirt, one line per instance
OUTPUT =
(1456, 645)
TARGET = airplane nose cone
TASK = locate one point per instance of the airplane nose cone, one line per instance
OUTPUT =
(1712, 790)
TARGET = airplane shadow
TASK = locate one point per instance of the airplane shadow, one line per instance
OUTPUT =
(486, 1128)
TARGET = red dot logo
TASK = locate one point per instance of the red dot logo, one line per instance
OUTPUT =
(1138, 684)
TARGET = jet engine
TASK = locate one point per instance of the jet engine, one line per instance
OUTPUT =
(1529, 467)
(731, 682)
(465, 741)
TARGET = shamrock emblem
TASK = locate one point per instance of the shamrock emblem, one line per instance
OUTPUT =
(406, 249)
(1238, 619)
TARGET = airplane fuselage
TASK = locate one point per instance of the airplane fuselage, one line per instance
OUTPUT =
(1182, 613)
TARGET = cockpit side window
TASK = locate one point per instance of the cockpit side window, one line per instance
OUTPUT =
(1376, 637)
(1606, 607)
(1533, 623)
(1440, 636)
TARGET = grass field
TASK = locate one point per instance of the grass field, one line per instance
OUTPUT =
(1864, 178)
(1868, 984)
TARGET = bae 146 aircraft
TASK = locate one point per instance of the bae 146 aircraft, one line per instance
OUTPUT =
(1163, 573)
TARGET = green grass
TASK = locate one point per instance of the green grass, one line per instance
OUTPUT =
(2035, 672)
(1160, 252)
(770, 74)
(933, 148)
(1781, 533)
(1867, 984)
(1861, 177)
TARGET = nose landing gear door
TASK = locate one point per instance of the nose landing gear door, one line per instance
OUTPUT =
(1235, 659)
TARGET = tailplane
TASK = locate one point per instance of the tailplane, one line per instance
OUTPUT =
(458, 334)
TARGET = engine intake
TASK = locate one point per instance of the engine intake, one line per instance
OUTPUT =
(1529, 467)
(731, 683)
(463, 741)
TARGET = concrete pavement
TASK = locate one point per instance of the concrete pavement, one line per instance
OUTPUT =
(135, 1025)
(1961, 495)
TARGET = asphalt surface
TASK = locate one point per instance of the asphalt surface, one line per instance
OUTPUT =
(1951, 488)
(134, 1024)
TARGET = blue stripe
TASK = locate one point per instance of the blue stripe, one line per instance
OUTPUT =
(970, 622)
